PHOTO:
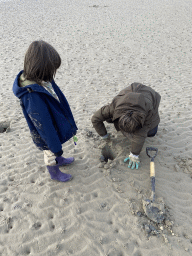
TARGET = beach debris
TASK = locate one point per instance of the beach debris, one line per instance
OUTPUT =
(89, 134)
(151, 229)
(154, 211)
(103, 205)
(169, 224)
(101, 165)
(139, 213)
(95, 6)
(4, 126)
(106, 166)
(165, 238)
(36, 225)
(177, 168)
(17, 206)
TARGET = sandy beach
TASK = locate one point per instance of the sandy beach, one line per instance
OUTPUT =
(105, 46)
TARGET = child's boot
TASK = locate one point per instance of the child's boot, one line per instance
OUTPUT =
(64, 161)
(56, 174)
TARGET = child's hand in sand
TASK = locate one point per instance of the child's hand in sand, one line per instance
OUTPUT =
(107, 138)
(133, 161)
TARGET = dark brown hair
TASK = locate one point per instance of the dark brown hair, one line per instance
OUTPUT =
(131, 121)
(41, 62)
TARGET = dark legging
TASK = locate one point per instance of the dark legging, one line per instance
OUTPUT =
(152, 132)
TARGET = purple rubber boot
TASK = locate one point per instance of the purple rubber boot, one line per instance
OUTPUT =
(64, 161)
(56, 174)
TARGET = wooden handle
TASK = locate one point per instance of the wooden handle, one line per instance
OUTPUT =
(152, 169)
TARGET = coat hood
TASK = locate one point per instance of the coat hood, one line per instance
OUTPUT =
(20, 91)
(132, 101)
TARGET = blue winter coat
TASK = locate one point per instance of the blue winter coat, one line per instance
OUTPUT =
(51, 122)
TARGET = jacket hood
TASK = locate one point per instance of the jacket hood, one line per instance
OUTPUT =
(20, 91)
(131, 101)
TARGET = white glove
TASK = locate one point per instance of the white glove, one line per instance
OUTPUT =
(133, 161)
(105, 137)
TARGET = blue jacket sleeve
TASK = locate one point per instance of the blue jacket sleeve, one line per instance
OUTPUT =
(39, 114)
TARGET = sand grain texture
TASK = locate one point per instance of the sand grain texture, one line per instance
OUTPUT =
(104, 46)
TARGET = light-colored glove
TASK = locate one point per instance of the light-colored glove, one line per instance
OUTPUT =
(133, 161)
(106, 137)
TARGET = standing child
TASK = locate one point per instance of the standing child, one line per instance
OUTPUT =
(45, 107)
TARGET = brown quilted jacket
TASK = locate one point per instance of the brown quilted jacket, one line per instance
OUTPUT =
(135, 97)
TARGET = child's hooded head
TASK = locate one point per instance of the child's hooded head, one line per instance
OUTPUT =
(41, 62)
